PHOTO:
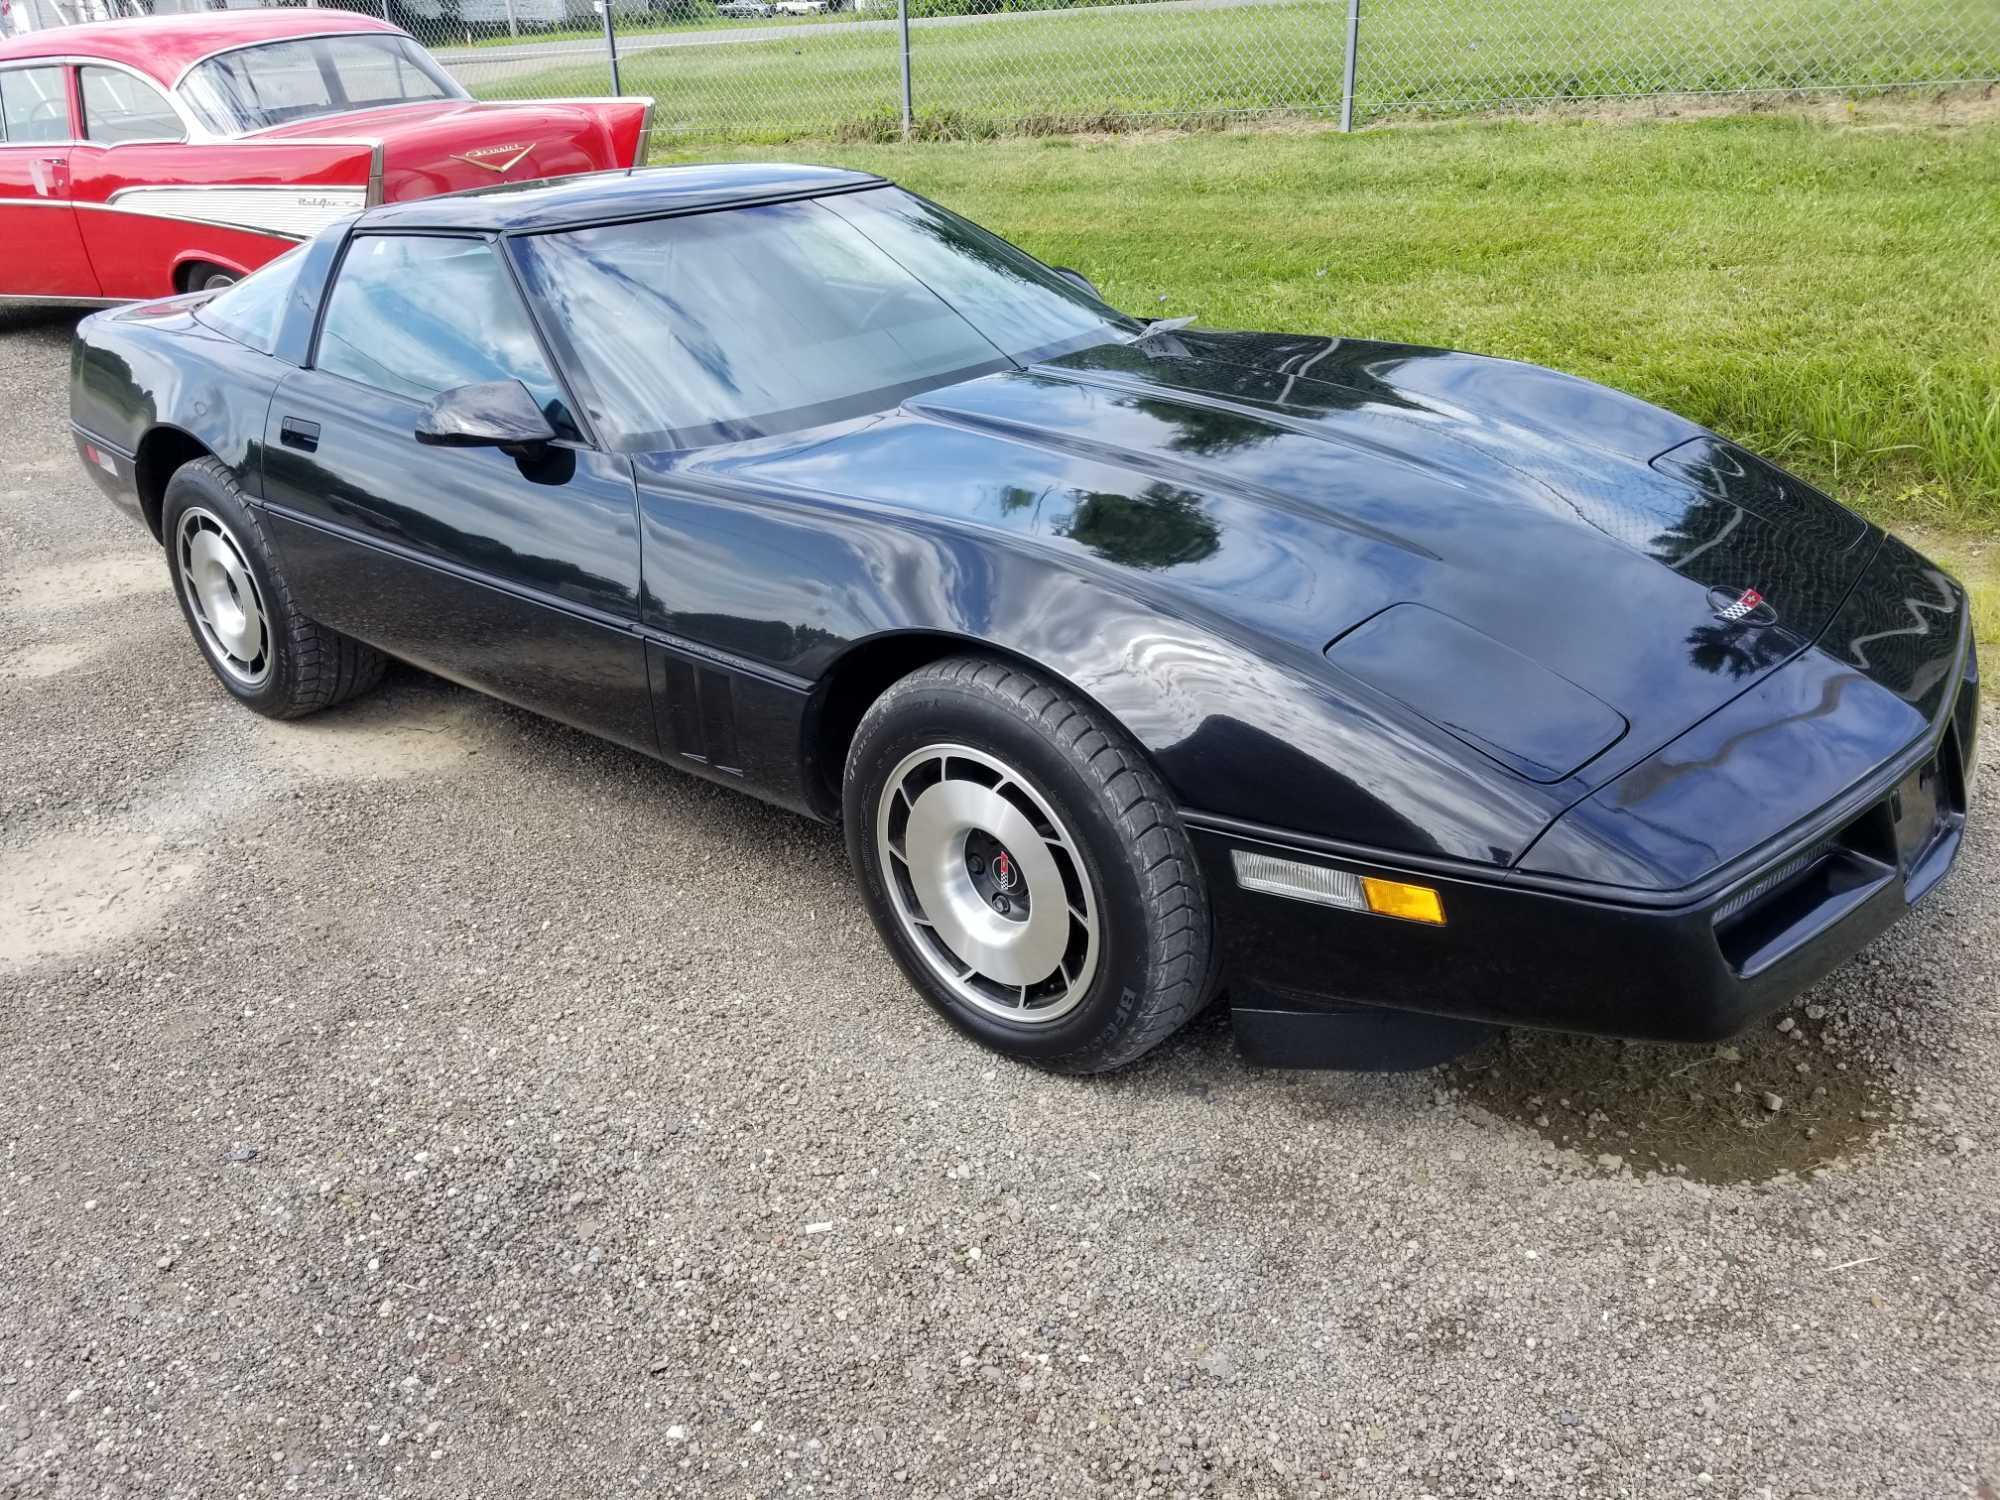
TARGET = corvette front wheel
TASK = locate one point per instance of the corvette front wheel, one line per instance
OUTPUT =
(1026, 866)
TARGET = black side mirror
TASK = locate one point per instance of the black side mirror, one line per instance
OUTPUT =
(497, 414)
(1078, 279)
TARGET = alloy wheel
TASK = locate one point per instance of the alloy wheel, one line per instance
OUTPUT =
(223, 597)
(988, 884)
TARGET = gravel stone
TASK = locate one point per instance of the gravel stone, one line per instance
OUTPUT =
(564, 1051)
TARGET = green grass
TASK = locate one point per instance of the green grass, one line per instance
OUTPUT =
(1824, 294)
(1111, 66)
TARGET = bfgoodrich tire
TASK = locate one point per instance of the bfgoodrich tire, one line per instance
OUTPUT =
(233, 594)
(1026, 866)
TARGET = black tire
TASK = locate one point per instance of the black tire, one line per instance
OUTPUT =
(301, 665)
(1154, 965)
(203, 277)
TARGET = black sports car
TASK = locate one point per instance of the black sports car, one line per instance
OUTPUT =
(1394, 691)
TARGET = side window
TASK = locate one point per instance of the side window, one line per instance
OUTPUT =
(260, 86)
(371, 71)
(251, 311)
(419, 315)
(118, 107)
(34, 105)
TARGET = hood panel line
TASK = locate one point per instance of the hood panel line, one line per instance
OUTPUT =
(1449, 429)
(1159, 468)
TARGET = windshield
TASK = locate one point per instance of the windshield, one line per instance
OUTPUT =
(724, 326)
(253, 88)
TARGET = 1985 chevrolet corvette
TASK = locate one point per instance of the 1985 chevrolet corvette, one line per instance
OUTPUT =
(1394, 692)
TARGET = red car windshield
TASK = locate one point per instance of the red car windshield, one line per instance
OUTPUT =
(253, 88)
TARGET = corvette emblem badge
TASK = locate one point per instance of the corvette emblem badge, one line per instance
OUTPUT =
(497, 158)
(1004, 874)
(1746, 608)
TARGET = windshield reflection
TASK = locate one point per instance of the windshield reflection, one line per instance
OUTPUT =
(725, 327)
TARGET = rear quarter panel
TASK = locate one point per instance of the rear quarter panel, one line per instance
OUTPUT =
(627, 124)
(140, 371)
(148, 208)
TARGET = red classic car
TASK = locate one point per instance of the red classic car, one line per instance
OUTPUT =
(145, 157)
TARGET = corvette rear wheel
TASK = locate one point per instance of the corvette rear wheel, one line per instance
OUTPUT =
(233, 593)
(1026, 866)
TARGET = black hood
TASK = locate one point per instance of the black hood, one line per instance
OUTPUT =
(1292, 488)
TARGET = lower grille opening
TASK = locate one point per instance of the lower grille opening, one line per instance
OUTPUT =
(1766, 885)
(1912, 832)
(1795, 903)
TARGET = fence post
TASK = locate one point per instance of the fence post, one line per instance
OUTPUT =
(1347, 79)
(611, 43)
(903, 24)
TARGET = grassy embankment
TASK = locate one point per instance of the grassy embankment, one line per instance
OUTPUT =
(1828, 295)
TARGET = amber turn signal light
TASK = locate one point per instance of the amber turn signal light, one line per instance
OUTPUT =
(1393, 898)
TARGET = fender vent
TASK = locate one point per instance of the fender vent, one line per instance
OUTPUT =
(701, 715)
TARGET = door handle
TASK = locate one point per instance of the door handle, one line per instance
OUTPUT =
(51, 176)
(294, 433)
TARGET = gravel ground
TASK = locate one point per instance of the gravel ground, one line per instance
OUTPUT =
(430, 1100)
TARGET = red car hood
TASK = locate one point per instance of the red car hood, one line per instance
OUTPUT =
(458, 143)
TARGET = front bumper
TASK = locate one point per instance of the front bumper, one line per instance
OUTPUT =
(1524, 950)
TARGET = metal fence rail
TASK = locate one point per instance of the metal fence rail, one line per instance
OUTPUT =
(746, 70)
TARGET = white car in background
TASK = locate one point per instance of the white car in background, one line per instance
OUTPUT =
(804, 7)
(19, 17)
(435, 22)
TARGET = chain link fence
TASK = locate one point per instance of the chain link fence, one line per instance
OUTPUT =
(775, 70)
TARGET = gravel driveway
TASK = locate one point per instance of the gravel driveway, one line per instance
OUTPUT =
(426, 1099)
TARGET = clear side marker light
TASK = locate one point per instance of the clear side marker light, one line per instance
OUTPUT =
(1301, 882)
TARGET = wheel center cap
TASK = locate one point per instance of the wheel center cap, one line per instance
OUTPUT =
(997, 877)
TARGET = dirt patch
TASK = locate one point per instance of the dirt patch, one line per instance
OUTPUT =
(47, 659)
(1699, 1112)
(69, 893)
(83, 581)
(412, 725)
